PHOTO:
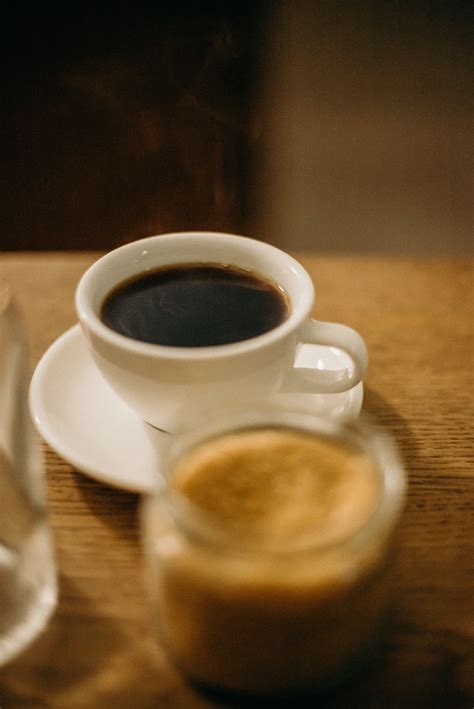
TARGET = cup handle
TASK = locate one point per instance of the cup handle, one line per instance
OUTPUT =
(312, 380)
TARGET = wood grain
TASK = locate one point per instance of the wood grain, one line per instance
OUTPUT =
(417, 319)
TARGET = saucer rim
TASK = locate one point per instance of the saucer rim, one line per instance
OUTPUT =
(39, 414)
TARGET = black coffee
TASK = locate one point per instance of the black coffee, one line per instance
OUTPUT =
(195, 305)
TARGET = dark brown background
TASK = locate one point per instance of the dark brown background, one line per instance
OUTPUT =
(122, 120)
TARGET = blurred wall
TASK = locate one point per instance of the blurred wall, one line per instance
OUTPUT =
(368, 133)
(324, 125)
(124, 120)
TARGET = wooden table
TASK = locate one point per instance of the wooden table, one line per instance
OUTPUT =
(416, 316)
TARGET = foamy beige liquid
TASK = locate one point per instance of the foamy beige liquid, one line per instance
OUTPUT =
(266, 621)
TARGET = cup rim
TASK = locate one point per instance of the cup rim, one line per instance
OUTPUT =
(90, 321)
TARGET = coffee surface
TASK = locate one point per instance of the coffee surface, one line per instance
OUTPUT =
(195, 305)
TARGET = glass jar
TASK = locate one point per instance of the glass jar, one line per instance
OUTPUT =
(277, 615)
(28, 583)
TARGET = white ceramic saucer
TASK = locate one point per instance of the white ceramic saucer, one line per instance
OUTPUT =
(83, 420)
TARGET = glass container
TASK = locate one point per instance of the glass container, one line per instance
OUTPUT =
(272, 612)
(27, 570)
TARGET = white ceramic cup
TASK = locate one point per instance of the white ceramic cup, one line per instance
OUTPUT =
(166, 385)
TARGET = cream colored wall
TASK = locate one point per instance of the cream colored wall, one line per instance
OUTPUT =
(368, 130)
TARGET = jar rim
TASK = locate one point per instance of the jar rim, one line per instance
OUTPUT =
(363, 433)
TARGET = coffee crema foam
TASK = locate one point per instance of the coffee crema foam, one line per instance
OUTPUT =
(280, 486)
